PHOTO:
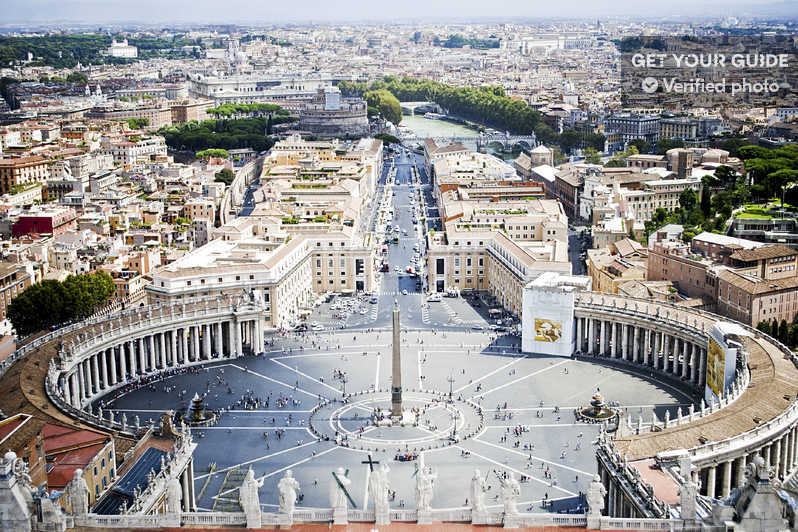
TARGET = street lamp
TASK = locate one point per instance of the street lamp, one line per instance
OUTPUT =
(450, 380)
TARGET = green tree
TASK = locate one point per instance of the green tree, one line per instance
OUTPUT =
(138, 123)
(50, 302)
(204, 155)
(77, 77)
(706, 205)
(225, 175)
(725, 174)
(592, 156)
(569, 139)
(642, 145)
(688, 199)
(663, 145)
(387, 103)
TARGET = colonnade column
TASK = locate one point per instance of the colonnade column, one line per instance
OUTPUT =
(142, 360)
(727, 470)
(624, 341)
(259, 330)
(173, 362)
(218, 335)
(236, 326)
(104, 368)
(783, 448)
(206, 340)
(739, 471)
(711, 476)
(195, 340)
(591, 339)
(131, 347)
(151, 351)
(74, 392)
(702, 367)
(578, 334)
(114, 374)
(161, 350)
(95, 373)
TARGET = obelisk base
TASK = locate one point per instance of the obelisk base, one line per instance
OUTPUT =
(396, 402)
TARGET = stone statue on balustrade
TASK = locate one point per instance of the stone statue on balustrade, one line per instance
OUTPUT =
(288, 487)
(339, 495)
(174, 495)
(595, 502)
(478, 509)
(250, 501)
(511, 490)
(379, 486)
(425, 486)
(77, 492)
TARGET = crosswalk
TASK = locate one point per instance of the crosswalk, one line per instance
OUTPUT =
(453, 316)
(425, 314)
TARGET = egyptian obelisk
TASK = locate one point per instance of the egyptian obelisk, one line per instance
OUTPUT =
(396, 375)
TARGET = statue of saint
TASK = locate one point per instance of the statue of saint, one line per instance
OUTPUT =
(511, 489)
(77, 492)
(338, 499)
(378, 488)
(248, 497)
(595, 496)
(174, 495)
(478, 492)
(425, 484)
(288, 487)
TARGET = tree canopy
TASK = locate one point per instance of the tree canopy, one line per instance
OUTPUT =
(50, 302)
(225, 175)
(225, 134)
(486, 105)
(204, 155)
(388, 105)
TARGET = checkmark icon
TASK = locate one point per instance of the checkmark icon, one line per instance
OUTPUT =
(649, 85)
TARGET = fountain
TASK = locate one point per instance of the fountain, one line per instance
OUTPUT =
(197, 415)
(598, 410)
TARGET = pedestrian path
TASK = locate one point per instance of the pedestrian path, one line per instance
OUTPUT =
(425, 314)
(453, 316)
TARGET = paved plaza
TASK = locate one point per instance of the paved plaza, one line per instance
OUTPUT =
(527, 403)
(507, 412)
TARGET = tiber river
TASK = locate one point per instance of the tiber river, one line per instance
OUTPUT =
(425, 127)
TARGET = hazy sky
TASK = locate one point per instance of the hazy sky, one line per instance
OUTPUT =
(266, 11)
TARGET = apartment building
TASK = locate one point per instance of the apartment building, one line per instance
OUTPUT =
(678, 128)
(609, 269)
(632, 126)
(490, 260)
(285, 276)
(68, 449)
(128, 152)
(14, 278)
(434, 153)
(744, 280)
(18, 171)
(157, 116)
